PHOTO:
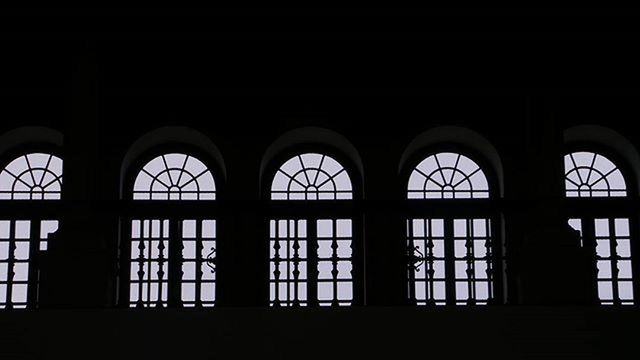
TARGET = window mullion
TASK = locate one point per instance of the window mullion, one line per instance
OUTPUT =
(589, 243)
(470, 262)
(296, 262)
(125, 260)
(199, 261)
(141, 261)
(277, 259)
(11, 263)
(411, 263)
(33, 263)
(174, 297)
(312, 254)
(449, 261)
(334, 261)
(495, 262)
(613, 254)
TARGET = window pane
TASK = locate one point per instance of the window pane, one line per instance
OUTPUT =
(311, 176)
(447, 175)
(174, 177)
(592, 175)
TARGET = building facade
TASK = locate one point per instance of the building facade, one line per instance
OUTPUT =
(255, 193)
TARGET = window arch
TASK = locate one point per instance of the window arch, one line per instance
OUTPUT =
(452, 256)
(174, 177)
(33, 176)
(311, 255)
(590, 174)
(447, 175)
(311, 176)
(172, 259)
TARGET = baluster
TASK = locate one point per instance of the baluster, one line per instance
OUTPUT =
(161, 262)
(296, 264)
(469, 261)
(276, 261)
(10, 264)
(334, 262)
(141, 248)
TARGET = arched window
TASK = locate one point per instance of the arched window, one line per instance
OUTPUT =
(590, 175)
(35, 176)
(311, 251)
(31, 177)
(171, 258)
(452, 256)
(311, 177)
(447, 176)
(174, 177)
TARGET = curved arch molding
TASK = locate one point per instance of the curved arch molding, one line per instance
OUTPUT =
(170, 134)
(610, 138)
(313, 135)
(459, 135)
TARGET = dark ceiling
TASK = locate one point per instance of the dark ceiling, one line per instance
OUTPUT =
(502, 49)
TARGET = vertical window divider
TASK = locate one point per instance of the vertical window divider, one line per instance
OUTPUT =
(199, 262)
(140, 260)
(449, 251)
(175, 263)
(589, 242)
(11, 263)
(470, 260)
(411, 264)
(276, 262)
(34, 263)
(312, 267)
(428, 262)
(125, 262)
(495, 260)
(288, 257)
(612, 239)
(334, 261)
(296, 264)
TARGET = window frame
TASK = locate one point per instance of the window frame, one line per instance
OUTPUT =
(23, 209)
(322, 209)
(450, 209)
(175, 211)
(587, 209)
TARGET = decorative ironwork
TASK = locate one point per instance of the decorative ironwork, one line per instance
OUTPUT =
(450, 261)
(311, 267)
(311, 261)
(289, 262)
(211, 260)
(198, 263)
(415, 261)
(176, 177)
(473, 261)
(426, 271)
(149, 285)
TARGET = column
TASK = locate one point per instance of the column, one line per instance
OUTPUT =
(553, 269)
